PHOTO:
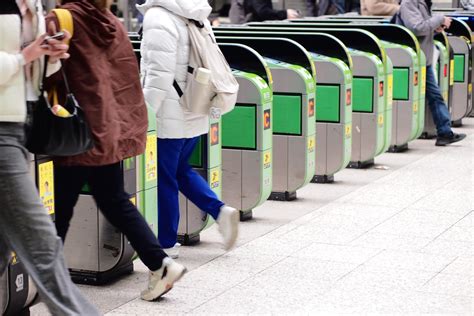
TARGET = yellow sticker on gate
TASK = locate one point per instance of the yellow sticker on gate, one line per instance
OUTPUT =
(267, 160)
(469, 88)
(311, 143)
(451, 72)
(380, 119)
(151, 167)
(415, 106)
(348, 131)
(423, 79)
(46, 185)
(445, 96)
(215, 179)
(390, 89)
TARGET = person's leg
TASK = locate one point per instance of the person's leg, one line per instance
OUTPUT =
(68, 184)
(438, 108)
(27, 229)
(169, 151)
(108, 190)
(193, 186)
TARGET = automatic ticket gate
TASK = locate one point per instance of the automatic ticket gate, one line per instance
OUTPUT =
(371, 119)
(206, 160)
(294, 125)
(409, 64)
(247, 130)
(17, 290)
(460, 39)
(333, 94)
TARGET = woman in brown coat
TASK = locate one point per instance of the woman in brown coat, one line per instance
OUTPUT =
(103, 75)
(379, 7)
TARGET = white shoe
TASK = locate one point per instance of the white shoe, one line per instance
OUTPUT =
(228, 222)
(161, 281)
(173, 252)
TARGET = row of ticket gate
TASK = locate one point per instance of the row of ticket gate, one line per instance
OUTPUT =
(316, 96)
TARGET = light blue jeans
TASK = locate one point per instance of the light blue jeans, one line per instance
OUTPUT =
(27, 229)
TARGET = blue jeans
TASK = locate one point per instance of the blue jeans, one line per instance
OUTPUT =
(438, 108)
(174, 175)
(27, 229)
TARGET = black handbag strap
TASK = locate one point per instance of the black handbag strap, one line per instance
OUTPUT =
(63, 73)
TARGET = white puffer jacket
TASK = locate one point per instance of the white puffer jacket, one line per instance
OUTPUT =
(165, 58)
(12, 81)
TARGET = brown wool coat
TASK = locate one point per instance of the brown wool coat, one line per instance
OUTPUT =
(379, 7)
(103, 75)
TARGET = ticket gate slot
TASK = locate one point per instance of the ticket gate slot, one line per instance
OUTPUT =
(206, 160)
(96, 251)
(17, 290)
(333, 94)
(247, 133)
(293, 112)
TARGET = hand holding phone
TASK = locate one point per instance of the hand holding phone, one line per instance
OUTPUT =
(59, 36)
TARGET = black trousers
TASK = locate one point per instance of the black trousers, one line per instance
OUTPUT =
(107, 188)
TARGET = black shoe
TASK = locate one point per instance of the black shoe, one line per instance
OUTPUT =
(446, 140)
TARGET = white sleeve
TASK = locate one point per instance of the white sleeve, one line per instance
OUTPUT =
(10, 64)
(160, 44)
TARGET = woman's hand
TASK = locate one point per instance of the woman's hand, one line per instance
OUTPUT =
(35, 49)
(58, 48)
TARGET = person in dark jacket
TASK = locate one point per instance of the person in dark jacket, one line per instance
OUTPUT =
(107, 86)
(262, 10)
(416, 16)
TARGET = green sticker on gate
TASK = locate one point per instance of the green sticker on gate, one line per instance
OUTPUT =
(401, 79)
(239, 127)
(287, 114)
(459, 68)
(328, 97)
(363, 95)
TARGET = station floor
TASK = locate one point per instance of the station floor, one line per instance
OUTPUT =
(395, 238)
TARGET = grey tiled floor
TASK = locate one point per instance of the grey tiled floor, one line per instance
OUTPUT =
(396, 238)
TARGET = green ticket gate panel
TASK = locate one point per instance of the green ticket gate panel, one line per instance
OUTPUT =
(294, 125)
(370, 135)
(206, 160)
(17, 291)
(247, 156)
(392, 35)
(460, 37)
(333, 136)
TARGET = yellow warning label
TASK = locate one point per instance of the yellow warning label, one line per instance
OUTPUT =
(348, 131)
(311, 143)
(215, 179)
(451, 72)
(267, 160)
(415, 107)
(445, 96)
(151, 168)
(380, 119)
(46, 185)
(469, 88)
(423, 79)
(14, 259)
(133, 200)
(390, 89)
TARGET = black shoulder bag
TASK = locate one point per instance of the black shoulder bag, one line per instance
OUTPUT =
(53, 135)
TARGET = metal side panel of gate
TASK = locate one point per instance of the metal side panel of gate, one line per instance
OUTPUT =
(333, 95)
(293, 111)
(247, 152)
(207, 161)
(96, 251)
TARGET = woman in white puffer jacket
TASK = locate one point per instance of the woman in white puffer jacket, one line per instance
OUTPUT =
(165, 58)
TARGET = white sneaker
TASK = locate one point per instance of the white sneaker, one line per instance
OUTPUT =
(173, 252)
(161, 281)
(228, 222)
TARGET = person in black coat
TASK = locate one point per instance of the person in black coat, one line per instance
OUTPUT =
(262, 10)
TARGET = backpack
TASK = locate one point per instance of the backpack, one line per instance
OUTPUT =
(238, 13)
(220, 94)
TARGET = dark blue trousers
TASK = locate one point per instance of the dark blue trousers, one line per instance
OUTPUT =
(439, 109)
(174, 175)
